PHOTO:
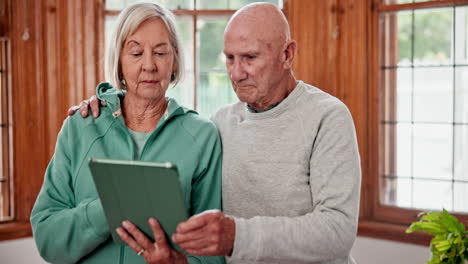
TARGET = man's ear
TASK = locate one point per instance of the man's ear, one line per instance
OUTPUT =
(289, 51)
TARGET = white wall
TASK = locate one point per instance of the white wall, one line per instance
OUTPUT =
(376, 251)
(19, 251)
(365, 251)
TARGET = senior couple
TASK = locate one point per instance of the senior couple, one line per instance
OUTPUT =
(289, 159)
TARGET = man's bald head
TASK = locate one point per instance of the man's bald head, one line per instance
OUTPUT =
(264, 20)
(259, 55)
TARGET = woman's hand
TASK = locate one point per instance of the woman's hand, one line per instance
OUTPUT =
(158, 252)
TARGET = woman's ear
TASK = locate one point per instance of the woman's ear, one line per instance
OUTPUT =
(175, 67)
(174, 71)
(289, 51)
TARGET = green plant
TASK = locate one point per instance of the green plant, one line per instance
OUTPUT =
(450, 242)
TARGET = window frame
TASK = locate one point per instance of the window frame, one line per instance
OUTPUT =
(5, 176)
(378, 220)
(38, 97)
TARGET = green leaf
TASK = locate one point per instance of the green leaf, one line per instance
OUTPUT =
(450, 242)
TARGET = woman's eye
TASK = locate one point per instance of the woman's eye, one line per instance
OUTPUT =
(160, 53)
(138, 54)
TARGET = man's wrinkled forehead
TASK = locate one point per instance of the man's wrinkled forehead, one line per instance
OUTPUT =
(244, 40)
(249, 29)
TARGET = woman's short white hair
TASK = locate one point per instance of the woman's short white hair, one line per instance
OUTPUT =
(127, 22)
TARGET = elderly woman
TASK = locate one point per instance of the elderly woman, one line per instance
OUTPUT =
(143, 59)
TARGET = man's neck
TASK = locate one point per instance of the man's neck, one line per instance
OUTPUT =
(284, 89)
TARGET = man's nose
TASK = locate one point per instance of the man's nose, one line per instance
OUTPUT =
(237, 72)
(149, 63)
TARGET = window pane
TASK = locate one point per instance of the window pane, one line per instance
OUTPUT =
(397, 192)
(219, 4)
(432, 154)
(398, 149)
(231, 4)
(433, 195)
(461, 152)
(115, 4)
(184, 91)
(170, 4)
(404, 94)
(433, 36)
(460, 197)
(405, 38)
(396, 38)
(433, 94)
(461, 35)
(461, 94)
(397, 92)
(213, 85)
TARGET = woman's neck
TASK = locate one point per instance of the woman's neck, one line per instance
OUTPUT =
(142, 115)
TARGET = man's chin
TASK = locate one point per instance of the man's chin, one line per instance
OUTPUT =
(245, 99)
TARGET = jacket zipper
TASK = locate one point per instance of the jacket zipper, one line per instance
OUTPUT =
(122, 254)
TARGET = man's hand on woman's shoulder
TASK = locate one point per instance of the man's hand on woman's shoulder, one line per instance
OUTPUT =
(92, 103)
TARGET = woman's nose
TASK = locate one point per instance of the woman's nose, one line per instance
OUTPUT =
(148, 63)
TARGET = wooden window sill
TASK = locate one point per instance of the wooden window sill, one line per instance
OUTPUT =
(15, 230)
(394, 232)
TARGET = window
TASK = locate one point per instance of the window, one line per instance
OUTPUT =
(422, 120)
(5, 179)
(206, 86)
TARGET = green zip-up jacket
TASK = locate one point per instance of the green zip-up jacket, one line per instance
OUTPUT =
(68, 221)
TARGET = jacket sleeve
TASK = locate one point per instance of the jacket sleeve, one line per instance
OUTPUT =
(206, 186)
(64, 230)
(328, 232)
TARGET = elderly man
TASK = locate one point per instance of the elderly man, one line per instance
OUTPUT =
(291, 169)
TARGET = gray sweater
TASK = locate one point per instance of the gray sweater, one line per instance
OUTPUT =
(291, 179)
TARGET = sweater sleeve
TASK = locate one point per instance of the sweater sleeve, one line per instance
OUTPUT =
(206, 186)
(65, 231)
(329, 230)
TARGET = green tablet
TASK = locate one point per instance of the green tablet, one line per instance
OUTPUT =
(138, 190)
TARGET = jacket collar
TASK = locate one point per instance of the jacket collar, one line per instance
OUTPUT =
(112, 97)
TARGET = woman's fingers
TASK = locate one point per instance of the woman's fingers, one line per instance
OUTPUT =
(129, 240)
(137, 235)
(158, 232)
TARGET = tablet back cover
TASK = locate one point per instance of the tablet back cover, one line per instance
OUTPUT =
(138, 190)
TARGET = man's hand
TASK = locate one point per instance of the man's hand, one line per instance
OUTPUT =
(92, 103)
(158, 252)
(210, 233)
